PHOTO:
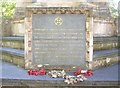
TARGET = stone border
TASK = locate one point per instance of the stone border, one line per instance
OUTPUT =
(104, 62)
(58, 10)
(58, 83)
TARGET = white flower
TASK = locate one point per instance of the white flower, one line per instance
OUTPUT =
(83, 71)
(39, 65)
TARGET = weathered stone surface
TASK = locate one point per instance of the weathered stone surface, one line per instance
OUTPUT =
(105, 46)
(14, 56)
(14, 59)
(59, 84)
(12, 42)
(103, 62)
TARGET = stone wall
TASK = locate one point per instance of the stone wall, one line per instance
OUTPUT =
(13, 28)
(6, 28)
(18, 28)
(104, 27)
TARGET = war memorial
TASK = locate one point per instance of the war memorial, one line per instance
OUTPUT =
(61, 36)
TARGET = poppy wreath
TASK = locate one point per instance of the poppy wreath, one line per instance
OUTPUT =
(37, 72)
(78, 72)
(84, 72)
(88, 73)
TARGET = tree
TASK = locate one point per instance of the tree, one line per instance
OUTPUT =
(7, 9)
(113, 6)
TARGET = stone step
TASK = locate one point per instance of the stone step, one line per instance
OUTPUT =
(100, 43)
(14, 56)
(95, 39)
(105, 43)
(20, 76)
(105, 46)
(58, 84)
(106, 53)
(96, 54)
(12, 51)
(105, 58)
(105, 39)
(20, 38)
(12, 42)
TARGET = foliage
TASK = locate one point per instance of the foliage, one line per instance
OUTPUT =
(113, 6)
(7, 9)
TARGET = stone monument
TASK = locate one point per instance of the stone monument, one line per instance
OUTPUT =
(60, 37)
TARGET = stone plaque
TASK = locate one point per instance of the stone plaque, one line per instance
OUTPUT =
(59, 39)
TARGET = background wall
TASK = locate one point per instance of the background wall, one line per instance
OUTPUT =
(18, 29)
(102, 28)
(6, 28)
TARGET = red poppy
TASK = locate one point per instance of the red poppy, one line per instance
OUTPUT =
(42, 72)
(88, 73)
(78, 72)
(37, 72)
(30, 72)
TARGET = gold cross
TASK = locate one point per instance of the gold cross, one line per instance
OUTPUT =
(58, 21)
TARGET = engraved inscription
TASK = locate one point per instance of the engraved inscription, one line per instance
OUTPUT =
(59, 42)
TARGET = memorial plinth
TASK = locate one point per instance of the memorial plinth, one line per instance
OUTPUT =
(59, 37)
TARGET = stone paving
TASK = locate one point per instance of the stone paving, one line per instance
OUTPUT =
(10, 71)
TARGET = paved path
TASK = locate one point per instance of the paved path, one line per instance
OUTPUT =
(13, 72)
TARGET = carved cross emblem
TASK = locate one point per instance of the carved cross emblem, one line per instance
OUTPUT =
(58, 21)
